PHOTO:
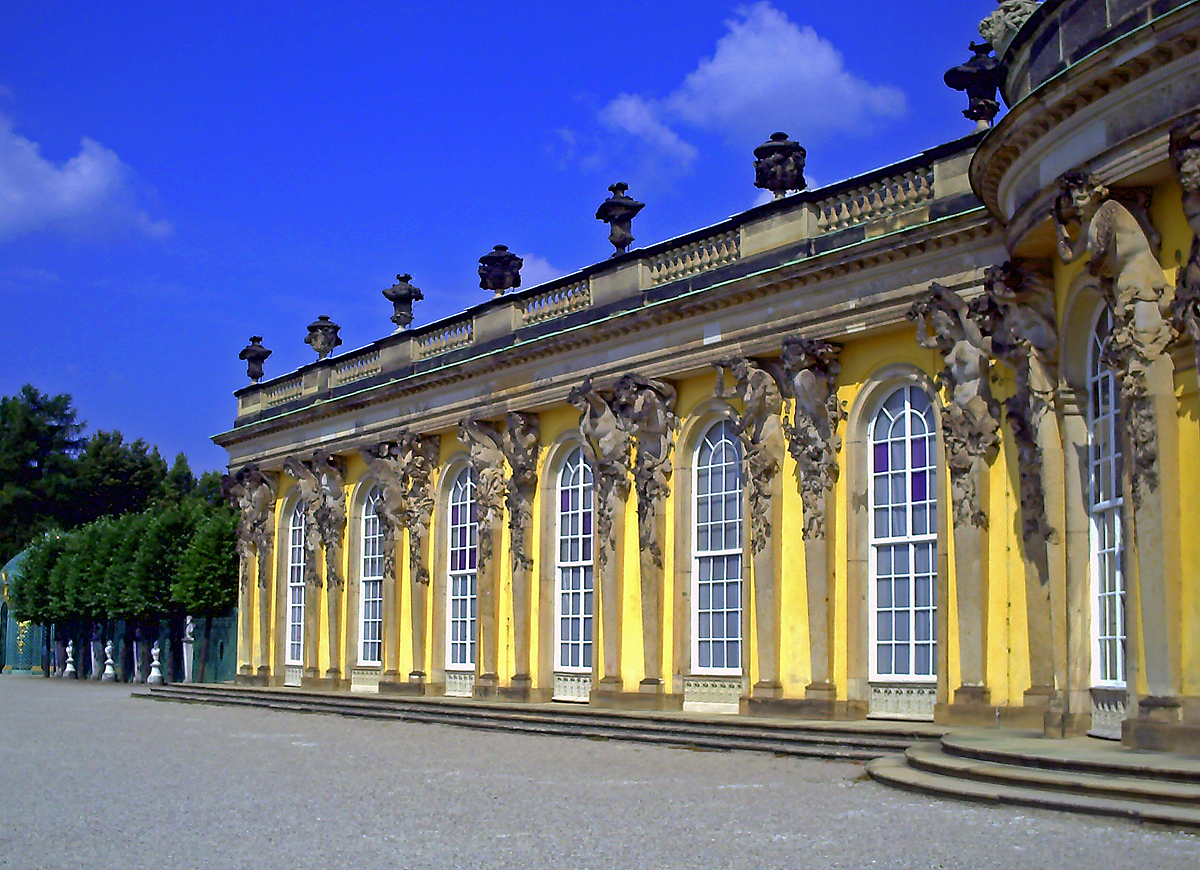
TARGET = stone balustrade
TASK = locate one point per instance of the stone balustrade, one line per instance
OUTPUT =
(283, 391)
(695, 257)
(556, 302)
(878, 199)
(453, 335)
(354, 368)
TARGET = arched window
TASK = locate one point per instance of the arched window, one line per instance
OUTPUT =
(717, 568)
(296, 557)
(460, 586)
(371, 584)
(904, 538)
(573, 561)
(1104, 503)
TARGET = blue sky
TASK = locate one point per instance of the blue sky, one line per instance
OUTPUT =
(175, 177)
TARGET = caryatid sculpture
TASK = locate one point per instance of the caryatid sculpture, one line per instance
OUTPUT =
(1002, 25)
(645, 407)
(491, 484)
(971, 435)
(1141, 299)
(760, 429)
(388, 473)
(521, 442)
(418, 457)
(1185, 158)
(606, 444)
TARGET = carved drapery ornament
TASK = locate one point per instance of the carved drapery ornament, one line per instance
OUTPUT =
(606, 444)
(811, 368)
(644, 407)
(1185, 158)
(1141, 299)
(970, 416)
(520, 443)
(491, 485)
(760, 429)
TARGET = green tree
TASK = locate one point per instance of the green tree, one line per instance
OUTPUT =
(114, 477)
(179, 482)
(207, 582)
(29, 591)
(39, 439)
(159, 553)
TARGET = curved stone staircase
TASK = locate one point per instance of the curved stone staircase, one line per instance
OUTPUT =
(1083, 775)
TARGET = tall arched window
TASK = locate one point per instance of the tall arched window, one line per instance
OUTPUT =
(573, 612)
(904, 538)
(1104, 502)
(717, 568)
(296, 557)
(371, 584)
(460, 586)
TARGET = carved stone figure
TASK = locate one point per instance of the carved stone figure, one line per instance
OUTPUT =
(607, 444)
(255, 355)
(970, 420)
(402, 295)
(645, 409)
(520, 443)
(491, 483)
(979, 77)
(156, 675)
(331, 511)
(1185, 157)
(323, 336)
(618, 211)
(1141, 299)
(779, 165)
(388, 473)
(1001, 26)
(69, 671)
(418, 457)
(253, 492)
(812, 369)
(110, 670)
(500, 270)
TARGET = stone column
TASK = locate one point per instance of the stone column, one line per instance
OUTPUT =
(520, 442)
(607, 445)
(491, 484)
(645, 410)
(253, 494)
(331, 521)
(971, 437)
(420, 459)
(1077, 701)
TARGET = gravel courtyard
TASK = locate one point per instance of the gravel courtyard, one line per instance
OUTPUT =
(91, 777)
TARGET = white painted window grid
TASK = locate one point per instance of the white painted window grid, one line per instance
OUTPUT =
(463, 551)
(903, 517)
(296, 565)
(370, 634)
(574, 604)
(717, 554)
(1105, 501)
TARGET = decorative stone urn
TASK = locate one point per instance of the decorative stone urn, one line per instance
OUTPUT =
(323, 336)
(979, 77)
(402, 295)
(779, 165)
(255, 355)
(500, 270)
(618, 211)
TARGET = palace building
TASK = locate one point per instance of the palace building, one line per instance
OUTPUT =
(915, 445)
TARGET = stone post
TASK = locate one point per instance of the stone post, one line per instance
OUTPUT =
(520, 442)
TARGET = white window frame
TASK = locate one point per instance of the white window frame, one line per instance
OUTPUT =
(1106, 515)
(370, 585)
(926, 541)
(572, 539)
(462, 565)
(715, 436)
(297, 557)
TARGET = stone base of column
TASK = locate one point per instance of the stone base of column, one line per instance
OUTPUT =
(1044, 703)
(829, 709)
(486, 686)
(608, 694)
(250, 679)
(324, 684)
(972, 706)
(264, 675)
(245, 670)
(519, 689)
(391, 683)
(1160, 727)
(766, 690)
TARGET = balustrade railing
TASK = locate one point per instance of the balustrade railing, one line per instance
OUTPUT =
(556, 302)
(355, 368)
(456, 334)
(887, 196)
(284, 391)
(695, 257)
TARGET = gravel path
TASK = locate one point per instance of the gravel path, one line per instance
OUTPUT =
(91, 777)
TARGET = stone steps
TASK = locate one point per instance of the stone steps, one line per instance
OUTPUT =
(833, 740)
(1073, 775)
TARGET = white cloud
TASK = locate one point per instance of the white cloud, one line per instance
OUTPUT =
(538, 270)
(93, 189)
(766, 73)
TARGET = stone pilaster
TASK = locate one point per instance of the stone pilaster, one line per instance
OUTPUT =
(384, 462)
(253, 492)
(420, 459)
(520, 442)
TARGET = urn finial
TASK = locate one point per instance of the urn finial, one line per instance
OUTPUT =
(323, 336)
(255, 355)
(979, 77)
(402, 295)
(779, 165)
(618, 211)
(500, 270)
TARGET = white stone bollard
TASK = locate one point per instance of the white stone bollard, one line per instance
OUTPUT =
(189, 644)
(156, 677)
(110, 672)
(69, 672)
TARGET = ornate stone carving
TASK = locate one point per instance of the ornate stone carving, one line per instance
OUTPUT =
(606, 444)
(760, 429)
(418, 457)
(255, 355)
(1001, 26)
(1020, 318)
(386, 468)
(500, 270)
(979, 77)
(402, 295)
(970, 419)
(323, 336)
(320, 480)
(1185, 157)
(520, 442)
(491, 485)
(645, 409)
(618, 211)
(253, 493)
(811, 368)
(1141, 299)
(779, 165)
